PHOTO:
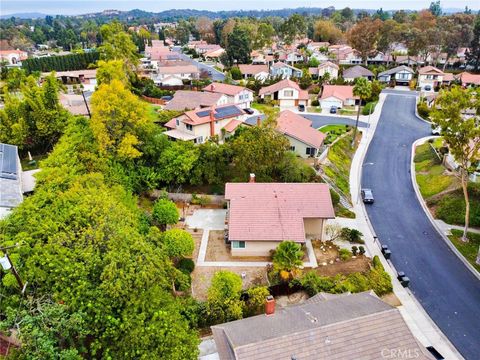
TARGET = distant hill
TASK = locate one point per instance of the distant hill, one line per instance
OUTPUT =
(31, 15)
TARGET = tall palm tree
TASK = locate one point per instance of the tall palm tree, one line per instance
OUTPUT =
(362, 89)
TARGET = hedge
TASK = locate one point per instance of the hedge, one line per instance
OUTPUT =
(60, 63)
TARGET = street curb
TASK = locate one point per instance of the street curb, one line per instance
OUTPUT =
(417, 99)
(427, 211)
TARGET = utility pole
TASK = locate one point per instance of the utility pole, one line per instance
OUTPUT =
(86, 104)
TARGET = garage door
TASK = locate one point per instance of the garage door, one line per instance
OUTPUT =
(327, 104)
(287, 103)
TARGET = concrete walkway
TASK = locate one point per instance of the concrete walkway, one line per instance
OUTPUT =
(447, 227)
(414, 315)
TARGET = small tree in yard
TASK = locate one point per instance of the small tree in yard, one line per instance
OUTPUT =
(461, 133)
(287, 257)
(178, 243)
(165, 213)
(362, 89)
(223, 297)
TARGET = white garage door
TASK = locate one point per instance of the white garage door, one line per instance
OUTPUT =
(287, 103)
(328, 103)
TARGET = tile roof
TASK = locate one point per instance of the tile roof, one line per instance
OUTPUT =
(279, 86)
(397, 69)
(232, 125)
(187, 100)
(178, 69)
(279, 65)
(180, 135)
(328, 64)
(356, 72)
(298, 127)
(345, 327)
(341, 92)
(252, 69)
(467, 78)
(275, 211)
(449, 77)
(430, 70)
(227, 89)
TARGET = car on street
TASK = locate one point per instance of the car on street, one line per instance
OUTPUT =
(301, 107)
(249, 111)
(367, 196)
(333, 110)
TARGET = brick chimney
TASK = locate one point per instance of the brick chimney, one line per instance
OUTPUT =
(212, 122)
(269, 305)
(252, 178)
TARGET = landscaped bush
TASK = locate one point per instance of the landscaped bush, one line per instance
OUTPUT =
(361, 250)
(369, 108)
(186, 265)
(335, 197)
(345, 254)
(315, 102)
(354, 250)
(351, 235)
(423, 110)
(451, 207)
(313, 283)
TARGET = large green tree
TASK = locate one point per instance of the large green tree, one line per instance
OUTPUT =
(238, 48)
(117, 44)
(473, 55)
(362, 89)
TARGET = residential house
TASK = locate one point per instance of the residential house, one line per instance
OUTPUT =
(238, 95)
(175, 75)
(344, 54)
(326, 326)
(429, 77)
(286, 92)
(337, 96)
(262, 215)
(201, 124)
(467, 79)
(317, 46)
(214, 55)
(260, 58)
(13, 57)
(304, 140)
(401, 75)
(293, 57)
(259, 72)
(285, 71)
(324, 68)
(448, 78)
(87, 78)
(353, 73)
(188, 100)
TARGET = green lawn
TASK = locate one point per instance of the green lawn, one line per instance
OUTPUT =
(333, 132)
(431, 176)
(315, 109)
(27, 165)
(468, 249)
(152, 111)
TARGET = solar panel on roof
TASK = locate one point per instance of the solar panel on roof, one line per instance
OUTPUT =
(203, 113)
(227, 111)
(8, 161)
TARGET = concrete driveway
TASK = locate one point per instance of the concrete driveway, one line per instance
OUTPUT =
(446, 289)
(211, 219)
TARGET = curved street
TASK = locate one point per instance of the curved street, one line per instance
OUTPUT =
(447, 290)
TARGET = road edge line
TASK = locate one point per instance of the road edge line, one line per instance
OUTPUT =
(425, 208)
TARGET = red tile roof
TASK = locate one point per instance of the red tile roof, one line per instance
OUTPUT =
(287, 83)
(342, 92)
(227, 89)
(275, 211)
(298, 127)
(187, 100)
(232, 125)
(430, 70)
(467, 78)
(253, 69)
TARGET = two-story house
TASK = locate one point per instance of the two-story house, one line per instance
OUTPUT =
(286, 92)
(259, 72)
(429, 77)
(284, 70)
(401, 75)
(201, 124)
(175, 74)
(238, 95)
(324, 68)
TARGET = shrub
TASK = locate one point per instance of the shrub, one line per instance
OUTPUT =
(165, 212)
(256, 300)
(423, 110)
(345, 254)
(186, 265)
(183, 281)
(313, 284)
(351, 235)
(315, 102)
(224, 302)
(177, 243)
(287, 256)
(369, 108)
(361, 250)
(380, 281)
(335, 197)
(359, 282)
(354, 250)
(235, 73)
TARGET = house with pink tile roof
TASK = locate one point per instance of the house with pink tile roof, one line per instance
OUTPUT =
(323, 68)
(467, 79)
(429, 77)
(286, 92)
(338, 96)
(262, 215)
(304, 140)
(238, 95)
(259, 72)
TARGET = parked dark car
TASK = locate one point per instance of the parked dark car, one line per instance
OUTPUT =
(301, 107)
(249, 111)
(333, 110)
(167, 97)
(367, 196)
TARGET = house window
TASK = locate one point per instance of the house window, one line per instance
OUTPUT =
(198, 140)
(292, 148)
(310, 151)
(288, 93)
(189, 127)
(238, 244)
(178, 122)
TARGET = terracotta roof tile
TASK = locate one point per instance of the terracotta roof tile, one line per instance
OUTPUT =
(341, 92)
(227, 89)
(298, 127)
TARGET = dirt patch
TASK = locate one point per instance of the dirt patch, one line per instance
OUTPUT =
(202, 277)
(391, 299)
(325, 251)
(298, 297)
(217, 250)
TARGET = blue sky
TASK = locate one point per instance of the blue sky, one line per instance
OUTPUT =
(85, 6)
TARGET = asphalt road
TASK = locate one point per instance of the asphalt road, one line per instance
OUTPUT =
(317, 120)
(215, 74)
(448, 291)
